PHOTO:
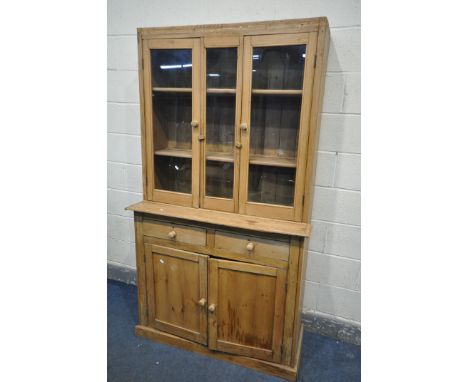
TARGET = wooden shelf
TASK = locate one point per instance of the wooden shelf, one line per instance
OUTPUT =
(277, 91)
(220, 91)
(173, 90)
(273, 161)
(227, 219)
(174, 153)
(220, 156)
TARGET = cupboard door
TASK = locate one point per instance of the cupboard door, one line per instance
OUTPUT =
(171, 72)
(246, 309)
(220, 102)
(278, 78)
(177, 292)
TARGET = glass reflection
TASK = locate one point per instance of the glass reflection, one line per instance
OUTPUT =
(278, 67)
(171, 68)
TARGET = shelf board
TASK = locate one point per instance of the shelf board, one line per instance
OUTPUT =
(220, 91)
(277, 91)
(273, 161)
(227, 219)
(220, 156)
(174, 153)
(173, 90)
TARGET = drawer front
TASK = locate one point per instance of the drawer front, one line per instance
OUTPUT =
(175, 232)
(251, 246)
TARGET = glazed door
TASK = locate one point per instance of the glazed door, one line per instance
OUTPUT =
(221, 104)
(278, 79)
(246, 309)
(171, 75)
(177, 292)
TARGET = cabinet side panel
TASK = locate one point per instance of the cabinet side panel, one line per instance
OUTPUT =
(304, 126)
(290, 311)
(317, 99)
(299, 296)
(141, 272)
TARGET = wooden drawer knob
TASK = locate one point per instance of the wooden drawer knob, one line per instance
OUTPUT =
(243, 126)
(212, 308)
(172, 234)
(194, 123)
(202, 302)
(250, 246)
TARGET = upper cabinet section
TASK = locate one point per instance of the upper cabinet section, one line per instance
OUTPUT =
(230, 115)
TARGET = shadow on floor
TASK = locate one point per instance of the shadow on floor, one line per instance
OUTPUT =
(133, 359)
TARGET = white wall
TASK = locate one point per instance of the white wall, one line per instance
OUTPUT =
(334, 268)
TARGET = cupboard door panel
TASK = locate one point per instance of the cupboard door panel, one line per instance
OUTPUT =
(171, 78)
(246, 309)
(177, 292)
(277, 89)
(221, 100)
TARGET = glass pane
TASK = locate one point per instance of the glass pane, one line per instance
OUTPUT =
(272, 185)
(275, 125)
(219, 179)
(173, 174)
(171, 68)
(221, 65)
(220, 119)
(172, 117)
(278, 67)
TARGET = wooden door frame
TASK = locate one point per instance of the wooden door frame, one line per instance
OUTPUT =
(265, 209)
(151, 193)
(202, 260)
(278, 321)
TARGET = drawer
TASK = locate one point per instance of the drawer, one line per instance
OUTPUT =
(251, 246)
(175, 232)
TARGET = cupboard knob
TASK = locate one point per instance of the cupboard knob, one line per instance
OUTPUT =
(243, 126)
(172, 234)
(212, 308)
(201, 138)
(194, 124)
(250, 246)
(202, 302)
(238, 145)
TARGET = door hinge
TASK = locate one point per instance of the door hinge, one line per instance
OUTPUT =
(286, 287)
(303, 199)
(315, 61)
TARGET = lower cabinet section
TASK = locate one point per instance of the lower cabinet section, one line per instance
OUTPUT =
(233, 307)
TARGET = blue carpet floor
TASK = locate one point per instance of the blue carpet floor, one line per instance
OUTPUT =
(133, 359)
